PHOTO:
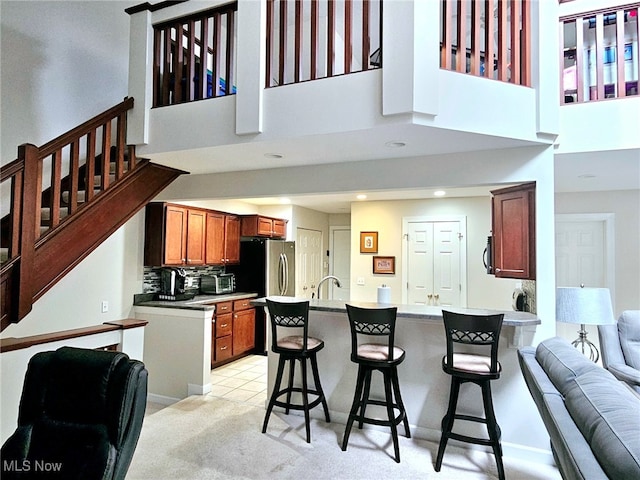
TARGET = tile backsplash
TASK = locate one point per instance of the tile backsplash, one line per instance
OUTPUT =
(151, 277)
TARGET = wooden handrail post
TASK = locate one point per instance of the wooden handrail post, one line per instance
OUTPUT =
(31, 192)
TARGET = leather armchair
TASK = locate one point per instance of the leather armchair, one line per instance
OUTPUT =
(620, 346)
(80, 416)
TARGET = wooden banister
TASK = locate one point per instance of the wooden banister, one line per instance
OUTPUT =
(13, 343)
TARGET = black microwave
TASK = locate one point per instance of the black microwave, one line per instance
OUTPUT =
(216, 284)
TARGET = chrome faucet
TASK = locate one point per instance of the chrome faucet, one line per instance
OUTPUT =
(335, 279)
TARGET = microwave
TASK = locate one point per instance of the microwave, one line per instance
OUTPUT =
(216, 284)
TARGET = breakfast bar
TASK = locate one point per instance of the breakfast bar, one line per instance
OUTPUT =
(425, 387)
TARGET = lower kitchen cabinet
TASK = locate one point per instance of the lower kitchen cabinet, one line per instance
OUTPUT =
(234, 331)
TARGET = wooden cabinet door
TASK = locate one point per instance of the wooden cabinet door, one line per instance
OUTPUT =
(196, 237)
(513, 229)
(232, 239)
(244, 331)
(175, 235)
(279, 228)
(265, 226)
(215, 239)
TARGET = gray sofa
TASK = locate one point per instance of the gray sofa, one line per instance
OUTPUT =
(620, 346)
(593, 420)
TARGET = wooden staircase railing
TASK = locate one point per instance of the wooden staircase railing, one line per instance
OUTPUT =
(54, 220)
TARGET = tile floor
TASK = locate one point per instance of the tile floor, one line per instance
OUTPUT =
(244, 380)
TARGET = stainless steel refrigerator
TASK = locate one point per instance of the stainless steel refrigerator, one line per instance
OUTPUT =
(267, 267)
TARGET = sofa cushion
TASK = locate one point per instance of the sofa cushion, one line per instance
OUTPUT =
(562, 362)
(606, 412)
(629, 332)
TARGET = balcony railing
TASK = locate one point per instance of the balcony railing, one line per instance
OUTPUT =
(322, 38)
(195, 57)
(599, 57)
(494, 36)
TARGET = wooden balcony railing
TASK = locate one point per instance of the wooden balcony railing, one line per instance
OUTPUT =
(312, 39)
(599, 56)
(494, 36)
(195, 57)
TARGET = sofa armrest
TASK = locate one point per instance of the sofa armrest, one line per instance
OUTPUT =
(625, 373)
(610, 345)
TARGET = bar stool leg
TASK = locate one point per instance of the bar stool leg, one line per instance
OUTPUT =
(274, 394)
(305, 398)
(316, 380)
(447, 421)
(354, 407)
(292, 369)
(398, 396)
(492, 427)
(365, 396)
(390, 414)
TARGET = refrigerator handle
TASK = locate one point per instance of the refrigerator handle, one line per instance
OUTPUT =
(285, 274)
(281, 280)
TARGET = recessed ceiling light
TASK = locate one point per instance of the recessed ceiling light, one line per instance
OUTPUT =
(395, 144)
(273, 155)
(362, 196)
(439, 193)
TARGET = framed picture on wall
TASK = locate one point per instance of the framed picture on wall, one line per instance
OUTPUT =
(384, 265)
(368, 242)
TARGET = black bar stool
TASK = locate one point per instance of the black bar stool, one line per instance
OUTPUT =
(480, 332)
(384, 357)
(291, 348)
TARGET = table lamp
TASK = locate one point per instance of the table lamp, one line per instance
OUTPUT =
(584, 306)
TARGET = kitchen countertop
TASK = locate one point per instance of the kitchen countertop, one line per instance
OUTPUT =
(419, 312)
(199, 302)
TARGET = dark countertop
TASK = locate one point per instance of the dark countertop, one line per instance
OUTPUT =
(199, 302)
(420, 312)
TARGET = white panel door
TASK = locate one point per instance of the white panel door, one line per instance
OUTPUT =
(420, 264)
(434, 263)
(308, 261)
(340, 258)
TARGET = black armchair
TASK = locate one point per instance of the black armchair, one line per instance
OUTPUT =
(80, 416)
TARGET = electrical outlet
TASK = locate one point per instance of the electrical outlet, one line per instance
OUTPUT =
(105, 306)
(360, 281)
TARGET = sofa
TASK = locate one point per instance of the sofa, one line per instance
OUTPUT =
(593, 419)
(620, 346)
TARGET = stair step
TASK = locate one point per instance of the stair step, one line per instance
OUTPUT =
(98, 179)
(45, 213)
(82, 197)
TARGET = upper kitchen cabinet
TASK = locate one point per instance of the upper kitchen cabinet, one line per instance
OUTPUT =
(261, 226)
(514, 232)
(223, 239)
(174, 235)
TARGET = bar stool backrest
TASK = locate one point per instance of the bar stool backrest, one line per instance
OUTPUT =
(479, 330)
(378, 322)
(288, 315)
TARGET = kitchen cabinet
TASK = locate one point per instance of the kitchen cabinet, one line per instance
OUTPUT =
(261, 226)
(174, 235)
(223, 238)
(234, 331)
(222, 342)
(513, 232)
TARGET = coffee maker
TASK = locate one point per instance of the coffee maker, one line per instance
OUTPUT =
(172, 283)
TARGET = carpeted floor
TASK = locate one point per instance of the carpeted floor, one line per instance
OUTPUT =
(207, 437)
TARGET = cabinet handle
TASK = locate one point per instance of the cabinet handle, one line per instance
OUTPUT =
(235, 316)
(498, 270)
(224, 325)
(224, 348)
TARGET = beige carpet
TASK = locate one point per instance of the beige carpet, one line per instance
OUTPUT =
(206, 437)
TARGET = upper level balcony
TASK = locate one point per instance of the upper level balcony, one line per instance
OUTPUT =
(379, 71)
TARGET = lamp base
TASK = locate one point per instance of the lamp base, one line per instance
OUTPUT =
(583, 344)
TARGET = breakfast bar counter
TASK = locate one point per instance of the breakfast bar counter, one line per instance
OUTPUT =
(424, 386)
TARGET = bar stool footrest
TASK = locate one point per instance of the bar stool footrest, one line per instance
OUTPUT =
(298, 406)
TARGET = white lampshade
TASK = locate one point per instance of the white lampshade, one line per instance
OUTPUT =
(588, 306)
